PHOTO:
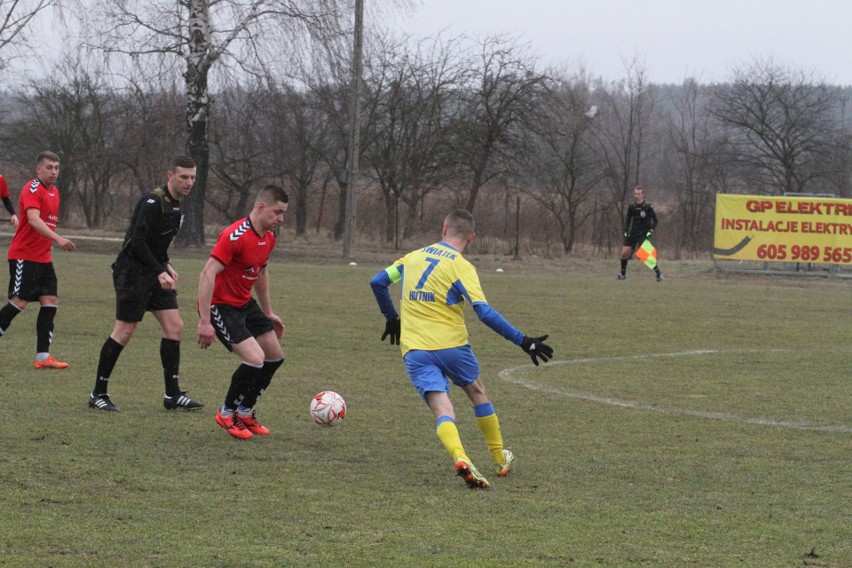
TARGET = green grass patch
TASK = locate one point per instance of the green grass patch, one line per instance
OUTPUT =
(702, 421)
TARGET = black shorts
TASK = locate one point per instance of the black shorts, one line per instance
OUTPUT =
(31, 280)
(634, 241)
(137, 293)
(234, 325)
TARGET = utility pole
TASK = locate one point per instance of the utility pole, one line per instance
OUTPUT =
(355, 131)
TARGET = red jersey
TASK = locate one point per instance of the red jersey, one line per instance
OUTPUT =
(27, 244)
(243, 252)
(4, 188)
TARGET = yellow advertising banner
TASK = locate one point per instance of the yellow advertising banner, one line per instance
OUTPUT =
(783, 229)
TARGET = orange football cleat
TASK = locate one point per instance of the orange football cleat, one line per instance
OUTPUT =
(233, 426)
(253, 425)
(50, 363)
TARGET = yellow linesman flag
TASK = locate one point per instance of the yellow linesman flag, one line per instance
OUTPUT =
(647, 254)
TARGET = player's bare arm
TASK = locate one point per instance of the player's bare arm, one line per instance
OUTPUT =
(206, 333)
(40, 227)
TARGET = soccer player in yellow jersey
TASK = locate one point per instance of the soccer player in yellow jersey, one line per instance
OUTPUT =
(436, 281)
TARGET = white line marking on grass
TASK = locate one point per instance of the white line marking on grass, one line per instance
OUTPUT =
(509, 376)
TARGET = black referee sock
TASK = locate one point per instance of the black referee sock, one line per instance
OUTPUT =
(170, 356)
(44, 328)
(7, 314)
(623, 266)
(106, 363)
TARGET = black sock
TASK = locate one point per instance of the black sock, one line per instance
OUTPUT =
(241, 383)
(623, 266)
(261, 382)
(657, 270)
(170, 356)
(44, 328)
(106, 363)
(7, 314)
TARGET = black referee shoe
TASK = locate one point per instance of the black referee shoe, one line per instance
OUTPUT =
(102, 402)
(181, 401)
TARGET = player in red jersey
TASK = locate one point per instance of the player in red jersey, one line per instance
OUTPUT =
(7, 202)
(248, 327)
(31, 273)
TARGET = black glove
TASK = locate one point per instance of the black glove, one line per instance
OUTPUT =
(537, 349)
(392, 330)
(648, 234)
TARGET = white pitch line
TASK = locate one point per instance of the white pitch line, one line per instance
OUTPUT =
(508, 375)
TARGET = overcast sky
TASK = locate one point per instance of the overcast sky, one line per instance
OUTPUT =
(674, 39)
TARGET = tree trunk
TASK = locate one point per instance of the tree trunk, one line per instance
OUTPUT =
(197, 117)
(192, 232)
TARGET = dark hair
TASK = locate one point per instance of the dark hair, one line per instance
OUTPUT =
(182, 161)
(460, 223)
(272, 194)
(47, 155)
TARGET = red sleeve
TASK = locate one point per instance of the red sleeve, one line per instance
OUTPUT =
(223, 250)
(30, 198)
(4, 188)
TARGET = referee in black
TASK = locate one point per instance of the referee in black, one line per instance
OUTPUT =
(145, 280)
(639, 224)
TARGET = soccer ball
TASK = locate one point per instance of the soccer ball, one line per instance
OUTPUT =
(328, 408)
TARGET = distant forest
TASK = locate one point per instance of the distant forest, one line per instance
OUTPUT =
(449, 123)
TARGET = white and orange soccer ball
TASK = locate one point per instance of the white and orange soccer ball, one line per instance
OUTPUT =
(328, 408)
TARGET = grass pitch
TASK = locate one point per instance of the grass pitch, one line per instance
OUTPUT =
(702, 421)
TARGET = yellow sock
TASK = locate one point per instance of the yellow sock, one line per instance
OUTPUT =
(490, 427)
(449, 436)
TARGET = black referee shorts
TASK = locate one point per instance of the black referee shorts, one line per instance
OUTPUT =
(634, 241)
(137, 293)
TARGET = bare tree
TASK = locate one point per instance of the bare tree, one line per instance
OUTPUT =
(302, 135)
(327, 76)
(783, 126)
(408, 94)
(496, 104)
(239, 141)
(625, 112)
(332, 101)
(561, 170)
(153, 121)
(694, 165)
(840, 179)
(15, 16)
(196, 35)
(73, 113)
